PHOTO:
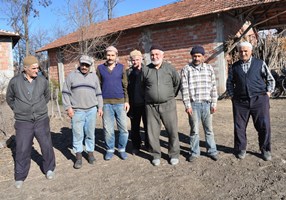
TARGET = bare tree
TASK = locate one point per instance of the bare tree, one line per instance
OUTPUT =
(19, 12)
(110, 5)
(83, 16)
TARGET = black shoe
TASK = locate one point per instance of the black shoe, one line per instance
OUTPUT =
(135, 151)
(91, 158)
(78, 164)
(266, 155)
(214, 157)
(192, 158)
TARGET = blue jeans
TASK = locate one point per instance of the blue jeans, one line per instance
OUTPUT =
(201, 112)
(84, 123)
(117, 112)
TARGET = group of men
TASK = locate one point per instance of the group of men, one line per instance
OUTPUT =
(140, 92)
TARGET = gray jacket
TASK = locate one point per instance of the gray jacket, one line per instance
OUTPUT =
(28, 107)
(160, 85)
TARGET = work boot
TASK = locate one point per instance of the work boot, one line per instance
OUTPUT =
(91, 158)
(78, 162)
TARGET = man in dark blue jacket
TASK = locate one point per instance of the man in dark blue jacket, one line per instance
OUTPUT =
(28, 95)
(250, 84)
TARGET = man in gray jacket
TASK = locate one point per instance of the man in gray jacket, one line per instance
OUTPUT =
(82, 100)
(28, 95)
(161, 84)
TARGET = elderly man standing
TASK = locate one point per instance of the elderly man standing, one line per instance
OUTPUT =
(113, 79)
(199, 95)
(28, 95)
(161, 84)
(82, 100)
(249, 85)
(136, 101)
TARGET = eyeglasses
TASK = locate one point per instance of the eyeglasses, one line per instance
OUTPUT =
(84, 65)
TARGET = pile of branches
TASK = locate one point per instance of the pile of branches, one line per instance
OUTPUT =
(272, 49)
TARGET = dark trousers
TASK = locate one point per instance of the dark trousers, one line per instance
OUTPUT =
(167, 112)
(258, 108)
(25, 132)
(138, 113)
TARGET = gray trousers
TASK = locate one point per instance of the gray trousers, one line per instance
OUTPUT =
(167, 112)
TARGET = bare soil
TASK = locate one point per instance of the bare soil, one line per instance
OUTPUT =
(136, 178)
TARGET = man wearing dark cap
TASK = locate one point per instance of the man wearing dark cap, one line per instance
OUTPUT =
(82, 99)
(161, 83)
(28, 95)
(199, 93)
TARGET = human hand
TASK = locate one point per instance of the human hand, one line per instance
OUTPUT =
(70, 112)
(213, 110)
(100, 112)
(126, 106)
(189, 111)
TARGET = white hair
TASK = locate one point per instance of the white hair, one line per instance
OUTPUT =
(245, 44)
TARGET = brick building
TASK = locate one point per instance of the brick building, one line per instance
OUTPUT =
(7, 42)
(177, 28)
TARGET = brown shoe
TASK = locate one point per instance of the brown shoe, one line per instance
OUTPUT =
(91, 158)
(78, 162)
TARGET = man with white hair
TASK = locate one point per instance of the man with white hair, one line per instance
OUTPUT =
(161, 84)
(113, 79)
(249, 85)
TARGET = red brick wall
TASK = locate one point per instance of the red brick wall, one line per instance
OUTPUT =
(53, 69)
(5, 55)
(177, 38)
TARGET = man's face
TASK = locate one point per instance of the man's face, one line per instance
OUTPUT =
(197, 59)
(156, 57)
(84, 68)
(111, 57)
(244, 53)
(136, 61)
(32, 70)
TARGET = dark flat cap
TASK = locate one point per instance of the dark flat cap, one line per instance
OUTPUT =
(197, 49)
(156, 46)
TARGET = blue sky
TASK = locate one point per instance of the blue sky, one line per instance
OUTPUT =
(50, 17)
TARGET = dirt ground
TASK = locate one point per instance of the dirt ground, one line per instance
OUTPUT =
(136, 178)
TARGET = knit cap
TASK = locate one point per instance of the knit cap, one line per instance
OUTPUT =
(157, 47)
(111, 48)
(30, 60)
(135, 53)
(197, 49)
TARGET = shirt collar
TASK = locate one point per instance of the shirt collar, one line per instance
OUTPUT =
(198, 67)
(25, 76)
(247, 62)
